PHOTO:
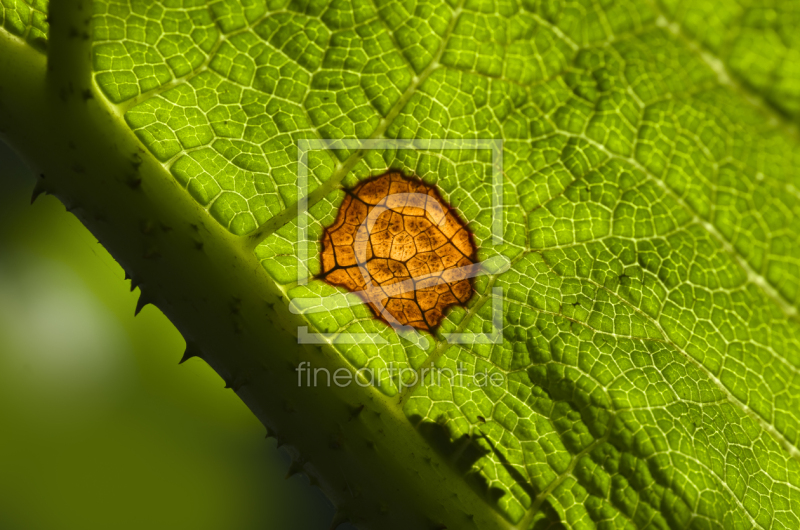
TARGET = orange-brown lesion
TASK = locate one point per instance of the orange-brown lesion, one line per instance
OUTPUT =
(383, 236)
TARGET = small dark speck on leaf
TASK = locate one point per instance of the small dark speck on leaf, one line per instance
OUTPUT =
(151, 253)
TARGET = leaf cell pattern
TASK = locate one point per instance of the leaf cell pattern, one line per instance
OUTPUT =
(26, 19)
(758, 41)
(651, 336)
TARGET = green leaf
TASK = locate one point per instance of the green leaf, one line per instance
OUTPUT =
(26, 19)
(650, 343)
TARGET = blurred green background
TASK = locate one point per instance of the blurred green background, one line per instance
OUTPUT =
(100, 427)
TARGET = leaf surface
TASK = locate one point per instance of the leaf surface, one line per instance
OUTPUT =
(650, 332)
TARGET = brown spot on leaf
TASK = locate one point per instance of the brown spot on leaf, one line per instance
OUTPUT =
(392, 243)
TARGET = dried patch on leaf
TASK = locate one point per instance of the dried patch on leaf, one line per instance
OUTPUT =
(397, 244)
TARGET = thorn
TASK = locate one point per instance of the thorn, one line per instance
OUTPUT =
(143, 301)
(127, 276)
(279, 442)
(356, 412)
(236, 384)
(192, 350)
(38, 189)
(135, 283)
(294, 468)
(270, 433)
(339, 518)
